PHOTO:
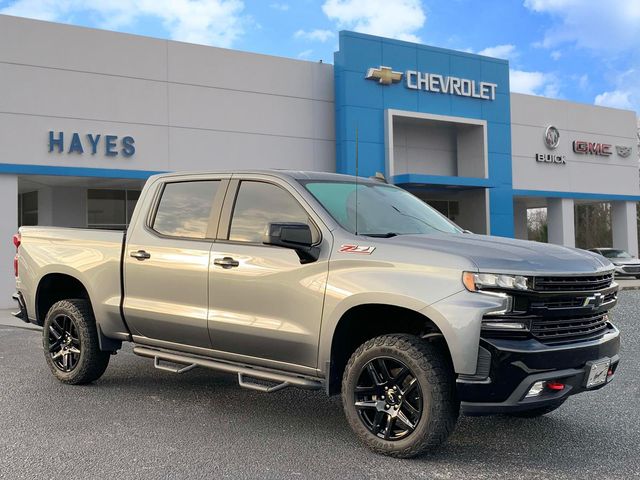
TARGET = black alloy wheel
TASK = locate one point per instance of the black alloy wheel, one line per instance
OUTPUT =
(399, 395)
(71, 344)
(64, 343)
(388, 398)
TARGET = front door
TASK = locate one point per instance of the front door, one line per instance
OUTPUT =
(263, 302)
(166, 263)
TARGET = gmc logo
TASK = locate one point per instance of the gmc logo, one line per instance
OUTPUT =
(591, 148)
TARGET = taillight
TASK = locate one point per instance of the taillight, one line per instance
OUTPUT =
(17, 240)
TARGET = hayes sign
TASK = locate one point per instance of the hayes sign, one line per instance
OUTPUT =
(432, 82)
(110, 145)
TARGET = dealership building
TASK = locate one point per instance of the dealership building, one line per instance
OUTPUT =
(87, 115)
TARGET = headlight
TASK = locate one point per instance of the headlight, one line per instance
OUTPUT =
(479, 281)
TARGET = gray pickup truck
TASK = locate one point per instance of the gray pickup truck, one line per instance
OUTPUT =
(325, 281)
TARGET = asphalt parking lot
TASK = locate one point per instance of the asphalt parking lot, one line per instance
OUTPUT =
(137, 422)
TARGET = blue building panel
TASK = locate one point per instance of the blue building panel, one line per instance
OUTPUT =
(368, 122)
(430, 60)
(362, 102)
(370, 158)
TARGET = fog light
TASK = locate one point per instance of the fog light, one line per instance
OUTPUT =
(536, 389)
(503, 325)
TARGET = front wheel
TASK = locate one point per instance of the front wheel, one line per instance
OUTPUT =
(398, 394)
(70, 341)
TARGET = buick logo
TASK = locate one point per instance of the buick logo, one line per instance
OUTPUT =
(551, 137)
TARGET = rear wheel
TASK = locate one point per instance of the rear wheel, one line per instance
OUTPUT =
(398, 394)
(537, 412)
(70, 341)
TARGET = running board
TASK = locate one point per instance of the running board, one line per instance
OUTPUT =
(281, 380)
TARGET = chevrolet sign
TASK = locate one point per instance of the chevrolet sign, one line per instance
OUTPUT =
(432, 82)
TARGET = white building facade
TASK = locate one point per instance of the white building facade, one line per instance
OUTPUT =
(87, 115)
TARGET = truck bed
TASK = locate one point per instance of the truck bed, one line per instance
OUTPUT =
(92, 256)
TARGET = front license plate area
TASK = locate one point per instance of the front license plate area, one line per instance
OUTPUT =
(597, 372)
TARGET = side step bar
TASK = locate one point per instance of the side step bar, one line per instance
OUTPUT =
(282, 380)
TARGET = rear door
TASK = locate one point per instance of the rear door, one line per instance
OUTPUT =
(166, 261)
(263, 301)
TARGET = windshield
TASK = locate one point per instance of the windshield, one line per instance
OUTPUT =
(615, 254)
(382, 210)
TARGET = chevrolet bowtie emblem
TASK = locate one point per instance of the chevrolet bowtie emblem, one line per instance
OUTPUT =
(384, 75)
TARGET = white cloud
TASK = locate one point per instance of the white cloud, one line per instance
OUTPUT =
(399, 19)
(507, 51)
(534, 83)
(283, 7)
(315, 35)
(305, 54)
(615, 99)
(211, 22)
(556, 54)
(584, 22)
(583, 82)
(625, 94)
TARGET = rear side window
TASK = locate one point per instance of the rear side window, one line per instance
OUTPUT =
(185, 208)
(259, 204)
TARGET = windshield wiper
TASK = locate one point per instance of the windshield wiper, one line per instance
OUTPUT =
(381, 235)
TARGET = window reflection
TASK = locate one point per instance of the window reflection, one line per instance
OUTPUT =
(184, 209)
(259, 204)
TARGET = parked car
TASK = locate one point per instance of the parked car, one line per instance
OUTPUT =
(325, 281)
(625, 264)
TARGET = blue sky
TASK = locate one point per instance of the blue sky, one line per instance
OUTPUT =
(581, 50)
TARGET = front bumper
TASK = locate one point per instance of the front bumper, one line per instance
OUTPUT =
(515, 365)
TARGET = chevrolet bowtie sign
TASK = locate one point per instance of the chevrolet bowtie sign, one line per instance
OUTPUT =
(384, 75)
(432, 82)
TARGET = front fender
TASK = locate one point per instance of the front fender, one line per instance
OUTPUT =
(459, 318)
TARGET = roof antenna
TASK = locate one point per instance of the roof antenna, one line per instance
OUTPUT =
(356, 179)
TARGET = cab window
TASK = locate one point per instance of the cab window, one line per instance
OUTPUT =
(258, 204)
(185, 208)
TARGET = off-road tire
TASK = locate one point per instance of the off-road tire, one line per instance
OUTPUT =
(92, 362)
(537, 412)
(431, 367)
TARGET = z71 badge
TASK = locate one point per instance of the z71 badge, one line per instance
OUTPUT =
(367, 250)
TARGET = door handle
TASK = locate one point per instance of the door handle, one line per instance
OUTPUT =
(141, 255)
(226, 262)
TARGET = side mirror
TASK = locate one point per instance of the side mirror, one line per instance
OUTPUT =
(296, 236)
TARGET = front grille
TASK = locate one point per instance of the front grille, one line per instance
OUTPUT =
(564, 302)
(573, 283)
(629, 269)
(559, 330)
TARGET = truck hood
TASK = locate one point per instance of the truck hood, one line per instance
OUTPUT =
(624, 261)
(502, 255)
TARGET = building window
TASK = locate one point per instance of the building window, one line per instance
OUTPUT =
(110, 209)
(449, 208)
(28, 209)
